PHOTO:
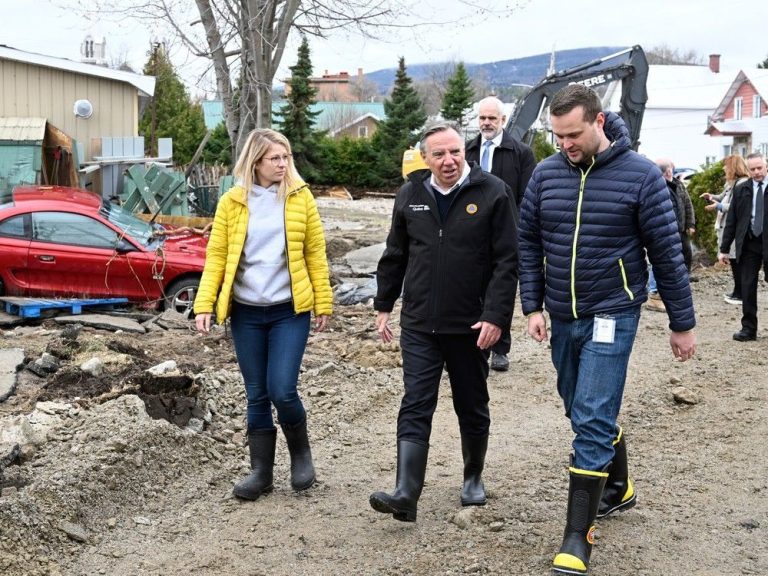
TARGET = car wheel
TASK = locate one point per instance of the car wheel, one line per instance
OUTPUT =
(180, 295)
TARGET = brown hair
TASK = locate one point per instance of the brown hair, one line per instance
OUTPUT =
(575, 95)
(735, 168)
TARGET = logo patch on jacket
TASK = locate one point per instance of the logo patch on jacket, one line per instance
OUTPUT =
(471, 208)
(418, 207)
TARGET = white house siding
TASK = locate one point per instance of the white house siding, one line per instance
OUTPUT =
(678, 135)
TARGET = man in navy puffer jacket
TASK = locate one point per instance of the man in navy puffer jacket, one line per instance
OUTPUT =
(588, 217)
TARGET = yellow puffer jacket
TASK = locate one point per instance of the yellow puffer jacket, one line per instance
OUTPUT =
(305, 245)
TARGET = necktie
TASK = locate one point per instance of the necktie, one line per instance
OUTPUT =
(485, 159)
(757, 225)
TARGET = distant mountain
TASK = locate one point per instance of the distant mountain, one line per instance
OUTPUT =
(504, 73)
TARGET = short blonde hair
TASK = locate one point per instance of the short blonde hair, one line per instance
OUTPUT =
(256, 146)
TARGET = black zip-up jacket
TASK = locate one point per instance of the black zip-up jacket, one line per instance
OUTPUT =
(454, 273)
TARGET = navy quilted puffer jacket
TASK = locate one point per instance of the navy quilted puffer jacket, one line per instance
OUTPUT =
(584, 233)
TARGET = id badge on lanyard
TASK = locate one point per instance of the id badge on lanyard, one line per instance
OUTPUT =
(604, 329)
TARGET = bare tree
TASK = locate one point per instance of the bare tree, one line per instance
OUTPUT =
(364, 90)
(244, 40)
(664, 54)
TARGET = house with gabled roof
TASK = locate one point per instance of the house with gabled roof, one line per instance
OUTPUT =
(681, 99)
(739, 124)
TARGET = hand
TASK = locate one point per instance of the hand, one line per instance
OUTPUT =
(489, 334)
(711, 207)
(707, 196)
(691, 231)
(203, 322)
(321, 322)
(382, 327)
(537, 327)
(723, 258)
(683, 345)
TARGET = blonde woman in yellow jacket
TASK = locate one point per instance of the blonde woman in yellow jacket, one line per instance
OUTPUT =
(266, 270)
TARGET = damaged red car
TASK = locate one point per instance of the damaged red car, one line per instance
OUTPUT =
(66, 242)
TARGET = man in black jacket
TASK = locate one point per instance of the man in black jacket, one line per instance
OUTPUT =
(497, 152)
(452, 251)
(747, 225)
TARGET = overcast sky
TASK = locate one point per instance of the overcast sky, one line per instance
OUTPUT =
(533, 27)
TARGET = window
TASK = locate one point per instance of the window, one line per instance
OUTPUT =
(726, 150)
(362, 131)
(73, 229)
(738, 105)
(757, 105)
(13, 227)
(763, 148)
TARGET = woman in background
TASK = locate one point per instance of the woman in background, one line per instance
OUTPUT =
(266, 270)
(735, 173)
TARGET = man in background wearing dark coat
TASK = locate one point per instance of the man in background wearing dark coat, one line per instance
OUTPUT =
(497, 152)
(747, 225)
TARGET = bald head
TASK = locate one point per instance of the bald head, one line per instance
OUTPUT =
(491, 118)
(667, 167)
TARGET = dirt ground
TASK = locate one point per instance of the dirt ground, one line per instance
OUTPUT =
(110, 490)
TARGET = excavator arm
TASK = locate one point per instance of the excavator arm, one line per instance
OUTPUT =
(629, 66)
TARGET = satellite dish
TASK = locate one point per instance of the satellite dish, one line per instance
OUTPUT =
(83, 109)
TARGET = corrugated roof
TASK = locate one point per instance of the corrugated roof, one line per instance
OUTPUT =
(145, 84)
(22, 129)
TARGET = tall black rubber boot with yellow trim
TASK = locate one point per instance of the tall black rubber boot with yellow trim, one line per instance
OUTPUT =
(411, 469)
(619, 492)
(584, 494)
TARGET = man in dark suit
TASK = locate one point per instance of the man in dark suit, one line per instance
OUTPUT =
(747, 224)
(511, 161)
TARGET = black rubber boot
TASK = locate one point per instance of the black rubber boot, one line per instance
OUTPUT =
(261, 444)
(473, 449)
(619, 492)
(411, 468)
(584, 494)
(302, 468)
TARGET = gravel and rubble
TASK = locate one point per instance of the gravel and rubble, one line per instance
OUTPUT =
(122, 459)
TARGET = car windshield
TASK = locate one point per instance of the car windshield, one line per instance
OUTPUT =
(134, 227)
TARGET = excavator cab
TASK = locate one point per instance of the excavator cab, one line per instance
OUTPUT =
(412, 161)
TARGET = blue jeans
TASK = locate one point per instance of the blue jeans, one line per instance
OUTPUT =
(651, 280)
(269, 343)
(590, 380)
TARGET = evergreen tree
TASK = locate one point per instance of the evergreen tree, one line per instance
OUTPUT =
(170, 113)
(405, 116)
(296, 119)
(218, 150)
(458, 96)
(764, 64)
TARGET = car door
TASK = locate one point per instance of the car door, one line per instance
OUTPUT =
(75, 255)
(14, 252)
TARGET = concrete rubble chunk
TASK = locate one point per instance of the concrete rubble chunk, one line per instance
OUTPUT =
(45, 365)
(682, 395)
(163, 368)
(103, 321)
(74, 531)
(10, 360)
(93, 366)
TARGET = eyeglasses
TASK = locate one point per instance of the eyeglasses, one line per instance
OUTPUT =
(491, 118)
(275, 160)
